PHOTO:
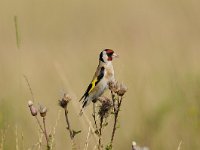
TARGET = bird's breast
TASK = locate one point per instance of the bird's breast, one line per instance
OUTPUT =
(109, 73)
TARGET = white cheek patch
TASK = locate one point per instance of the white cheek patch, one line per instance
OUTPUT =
(105, 57)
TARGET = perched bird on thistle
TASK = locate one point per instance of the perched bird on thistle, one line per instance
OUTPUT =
(103, 75)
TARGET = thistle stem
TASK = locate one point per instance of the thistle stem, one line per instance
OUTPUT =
(100, 132)
(94, 116)
(116, 112)
(45, 133)
(68, 124)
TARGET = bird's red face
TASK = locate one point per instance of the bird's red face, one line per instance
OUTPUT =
(110, 53)
(107, 55)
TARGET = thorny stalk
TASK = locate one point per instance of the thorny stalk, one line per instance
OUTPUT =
(116, 112)
(94, 116)
(45, 133)
(68, 124)
(43, 112)
(117, 91)
(64, 103)
(38, 121)
(100, 132)
(103, 113)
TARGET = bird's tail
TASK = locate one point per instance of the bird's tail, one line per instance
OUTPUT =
(82, 98)
(85, 102)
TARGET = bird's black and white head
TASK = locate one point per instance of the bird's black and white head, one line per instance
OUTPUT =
(107, 55)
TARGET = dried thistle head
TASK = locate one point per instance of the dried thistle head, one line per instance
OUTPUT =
(105, 107)
(30, 103)
(118, 88)
(64, 101)
(134, 147)
(122, 89)
(43, 111)
(102, 99)
(113, 86)
(33, 110)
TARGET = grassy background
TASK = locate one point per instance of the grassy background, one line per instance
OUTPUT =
(159, 47)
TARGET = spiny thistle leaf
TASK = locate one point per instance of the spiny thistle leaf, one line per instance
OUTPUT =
(108, 147)
(75, 132)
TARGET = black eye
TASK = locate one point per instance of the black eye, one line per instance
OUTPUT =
(109, 54)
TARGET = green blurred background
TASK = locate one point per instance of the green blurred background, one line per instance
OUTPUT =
(60, 40)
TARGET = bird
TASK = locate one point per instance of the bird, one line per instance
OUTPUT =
(103, 75)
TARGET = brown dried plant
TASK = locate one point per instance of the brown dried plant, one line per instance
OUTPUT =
(43, 112)
(64, 104)
(107, 107)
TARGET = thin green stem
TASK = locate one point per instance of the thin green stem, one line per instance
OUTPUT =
(17, 31)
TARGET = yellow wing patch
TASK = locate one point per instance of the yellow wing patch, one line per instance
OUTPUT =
(93, 84)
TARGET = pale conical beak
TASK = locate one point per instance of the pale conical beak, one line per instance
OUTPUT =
(115, 55)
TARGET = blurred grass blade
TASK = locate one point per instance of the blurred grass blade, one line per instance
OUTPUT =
(17, 31)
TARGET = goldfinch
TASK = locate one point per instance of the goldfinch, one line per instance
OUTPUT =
(103, 75)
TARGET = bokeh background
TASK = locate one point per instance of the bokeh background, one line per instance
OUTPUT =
(59, 43)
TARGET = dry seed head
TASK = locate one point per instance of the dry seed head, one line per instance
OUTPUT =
(111, 85)
(122, 89)
(102, 99)
(118, 88)
(43, 111)
(134, 147)
(67, 97)
(114, 86)
(30, 103)
(134, 143)
(65, 100)
(33, 110)
(105, 107)
(63, 103)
